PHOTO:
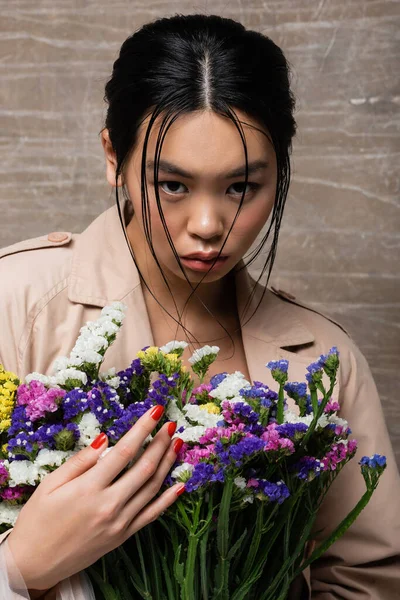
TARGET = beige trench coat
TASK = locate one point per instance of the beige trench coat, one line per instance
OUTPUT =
(52, 285)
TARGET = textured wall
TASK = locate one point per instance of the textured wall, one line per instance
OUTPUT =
(339, 247)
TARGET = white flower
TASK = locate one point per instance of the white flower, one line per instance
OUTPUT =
(338, 421)
(82, 355)
(51, 458)
(89, 429)
(230, 386)
(174, 345)
(249, 499)
(71, 373)
(94, 342)
(202, 417)
(240, 482)
(185, 469)
(113, 314)
(192, 434)
(22, 472)
(291, 417)
(173, 413)
(111, 378)
(119, 306)
(48, 381)
(202, 352)
(9, 514)
(61, 363)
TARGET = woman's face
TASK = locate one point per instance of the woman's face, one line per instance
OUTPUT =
(201, 180)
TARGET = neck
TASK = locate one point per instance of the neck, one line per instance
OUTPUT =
(199, 311)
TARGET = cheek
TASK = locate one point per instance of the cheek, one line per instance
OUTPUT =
(251, 220)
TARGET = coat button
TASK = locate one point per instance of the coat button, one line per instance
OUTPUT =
(57, 236)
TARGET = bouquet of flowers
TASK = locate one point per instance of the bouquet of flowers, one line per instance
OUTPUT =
(255, 471)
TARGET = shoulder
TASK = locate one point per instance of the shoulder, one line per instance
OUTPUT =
(326, 333)
(32, 272)
(36, 264)
(319, 322)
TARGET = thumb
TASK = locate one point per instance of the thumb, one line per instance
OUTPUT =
(77, 464)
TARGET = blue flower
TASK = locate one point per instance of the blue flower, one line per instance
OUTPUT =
(291, 430)
(202, 474)
(377, 460)
(216, 380)
(275, 492)
(281, 365)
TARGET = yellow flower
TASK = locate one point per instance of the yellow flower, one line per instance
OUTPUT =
(8, 386)
(210, 407)
(173, 361)
(4, 448)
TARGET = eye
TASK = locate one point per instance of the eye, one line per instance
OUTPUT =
(173, 187)
(251, 187)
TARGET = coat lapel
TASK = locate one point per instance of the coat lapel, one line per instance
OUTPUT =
(270, 332)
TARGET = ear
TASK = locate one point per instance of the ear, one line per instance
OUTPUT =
(111, 159)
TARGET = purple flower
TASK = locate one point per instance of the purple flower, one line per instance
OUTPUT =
(161, 390)
(314, 372)
(245, 448)
(216, 380)
(308, 468)
(275, 492)
(38, 400)
(279, 370)
(3, 473)
(377, 460)
(292, 430)
(74, 403)
(202, 474)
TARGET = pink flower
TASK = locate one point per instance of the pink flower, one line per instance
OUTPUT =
(331, 407)
(338, 454)
(14, 493)
(195, 455)
(252, 483)
(38, 399)
(3, 473)
(275, 442)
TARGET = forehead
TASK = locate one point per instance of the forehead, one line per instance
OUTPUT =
(207, 140)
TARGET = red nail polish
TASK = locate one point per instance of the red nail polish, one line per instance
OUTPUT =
(177, 445)
(157, 412)
(180, 490)
(171, 428)
(99, 441)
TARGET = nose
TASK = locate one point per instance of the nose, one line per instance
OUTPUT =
(205, 219)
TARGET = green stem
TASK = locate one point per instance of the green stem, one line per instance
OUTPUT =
(188, 586)
(338, 532)
(280, 406)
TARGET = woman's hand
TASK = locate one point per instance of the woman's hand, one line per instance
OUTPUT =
(78, 513)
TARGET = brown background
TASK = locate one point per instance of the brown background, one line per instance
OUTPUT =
(339, 246)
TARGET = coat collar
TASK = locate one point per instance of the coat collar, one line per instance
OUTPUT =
(103, 271)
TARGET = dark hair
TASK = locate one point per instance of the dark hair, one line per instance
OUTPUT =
(186, 63)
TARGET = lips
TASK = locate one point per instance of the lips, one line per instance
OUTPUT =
(203, 261)
(205, 256)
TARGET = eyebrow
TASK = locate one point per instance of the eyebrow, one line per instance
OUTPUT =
(167, 167)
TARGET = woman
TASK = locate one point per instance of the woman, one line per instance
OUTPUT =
(197, 137)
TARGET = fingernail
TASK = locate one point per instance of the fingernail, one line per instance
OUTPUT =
(177, 445)
(157, 412)
(99, 441)
(171, 428)
(180, 490)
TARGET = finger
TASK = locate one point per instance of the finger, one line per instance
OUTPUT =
(139, 500)
(147, 465)
(152, 511)
(76, 465)
(126, 448)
